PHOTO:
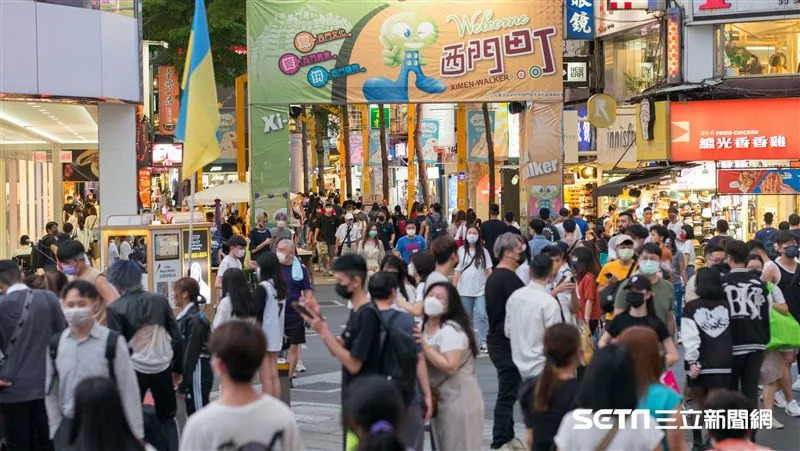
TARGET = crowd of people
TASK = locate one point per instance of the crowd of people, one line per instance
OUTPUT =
(574, 316)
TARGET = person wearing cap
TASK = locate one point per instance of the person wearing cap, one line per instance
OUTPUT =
(280, 231)
(347, 236)
(615, 271)
(663, 294)
(638, 294)
(562, 283)
(74, 264)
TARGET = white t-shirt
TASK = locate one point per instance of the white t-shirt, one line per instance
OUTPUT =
(449, 337)
(688, 248)
(272, 322)
(227, 263)
(256, 423)
(524, 273)
(473, 278)
(355, 234)
(626, 438)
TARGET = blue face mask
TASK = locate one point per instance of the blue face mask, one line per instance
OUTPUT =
(791, 251)
(648, 267)
(70, 270)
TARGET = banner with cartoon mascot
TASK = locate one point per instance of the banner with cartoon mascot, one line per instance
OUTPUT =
(372, 51)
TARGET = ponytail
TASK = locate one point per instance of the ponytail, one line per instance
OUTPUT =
(382, 437)
(561, 344)
(545, 387)
(192, 288)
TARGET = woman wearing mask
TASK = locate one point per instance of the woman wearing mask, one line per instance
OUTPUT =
(686, 246)
(643, 344)
(608, 383)
(270, 294)
(195, 328)
(296, 220)
(458, 228)
(371, 248)
(679, 275)
(583, 262)
(236, 302)
(422, 265)
(473, 268)
(547, 398)
(449, 347)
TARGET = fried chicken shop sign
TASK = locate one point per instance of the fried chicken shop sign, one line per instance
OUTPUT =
(758, 129)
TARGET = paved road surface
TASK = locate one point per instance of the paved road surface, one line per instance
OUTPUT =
(316, 396)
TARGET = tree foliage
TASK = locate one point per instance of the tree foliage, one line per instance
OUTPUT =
(171, 21)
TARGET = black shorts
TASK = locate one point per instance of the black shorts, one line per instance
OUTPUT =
(295, 331)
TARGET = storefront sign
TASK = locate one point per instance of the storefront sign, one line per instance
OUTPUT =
(429, 139)
(614, 21)
(65, 156)
(602, 110)
(83, 167)
(477, 147)
(167, 154)
(758, 181)
(374, 117)
(653, 145)
(758, 129)
(319, 52)
(618, 142)
(143, 185)
(200, 268)
(636, 4)
(585, 131)
(576, 71)
(40, 156)
(711, 9)
(697, 178)
(541, 168)
(674, 19)
(168, 102)
(571, 132)
(580, 19)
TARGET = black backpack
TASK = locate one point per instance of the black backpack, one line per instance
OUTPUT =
(111, 352)
(438, 227)
(398, 356)
(609, 295)
(41, 255)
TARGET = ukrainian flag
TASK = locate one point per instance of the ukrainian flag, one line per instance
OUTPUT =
(199, 117)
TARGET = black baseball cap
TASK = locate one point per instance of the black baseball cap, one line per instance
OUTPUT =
(640, 282)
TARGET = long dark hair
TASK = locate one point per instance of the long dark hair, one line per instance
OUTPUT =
(99, 422)
(234, 285)
(424, 264)
(366, 237)
(192, 288)
(609, 382)
(455, 312)
(402, 273)
(377, 409)
(587, 262)
(270, 269)
(561, 343)
(478, 258)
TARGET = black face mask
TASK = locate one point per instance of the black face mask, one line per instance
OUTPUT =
(381, 219)
(523, 257)
(635, 299)
(343, 291)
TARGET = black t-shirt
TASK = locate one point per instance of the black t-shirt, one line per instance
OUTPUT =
(258, 236)
(361, 337)
(490, 230)
(48, 258)
(624, 320)
(499, 286)
(545, 424)
(385, 232)
(327, 228)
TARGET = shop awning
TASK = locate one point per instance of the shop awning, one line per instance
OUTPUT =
(636, 179)
(227, 192)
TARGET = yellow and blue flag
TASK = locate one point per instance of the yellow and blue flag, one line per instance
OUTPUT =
(199, 117)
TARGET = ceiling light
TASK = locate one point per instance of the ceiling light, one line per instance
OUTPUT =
(35, 106)
(13, 121)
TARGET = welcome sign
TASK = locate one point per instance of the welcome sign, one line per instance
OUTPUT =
(324, 51)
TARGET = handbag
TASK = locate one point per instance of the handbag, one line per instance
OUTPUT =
(784, 331)
(587, 343)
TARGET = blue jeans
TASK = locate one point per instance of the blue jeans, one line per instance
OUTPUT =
(476, 310)
(678, 291)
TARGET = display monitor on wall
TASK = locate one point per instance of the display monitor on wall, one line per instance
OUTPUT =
(166, 246)
(167, 154)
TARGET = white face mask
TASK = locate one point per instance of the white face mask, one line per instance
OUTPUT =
(240, 253)
(281, 257)
(472, 238)
(78, 316)
(411, 232)
(281, 223)
(412, 271)
(433, 306)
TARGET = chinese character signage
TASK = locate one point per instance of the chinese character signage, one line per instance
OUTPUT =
(168, 102)
(388, 51)
(580, 19)
(760, 129)
(758, 181)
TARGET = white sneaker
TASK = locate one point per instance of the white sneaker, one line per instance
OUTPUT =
(780, 400)
(300, 367)
(776, 424)
(796, 385)
(792, 409)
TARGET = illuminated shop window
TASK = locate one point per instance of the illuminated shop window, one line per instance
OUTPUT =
(761, 48)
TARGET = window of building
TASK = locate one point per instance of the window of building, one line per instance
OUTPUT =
(633, 61)
(761, 48)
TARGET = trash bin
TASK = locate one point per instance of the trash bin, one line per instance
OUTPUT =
(283, 376)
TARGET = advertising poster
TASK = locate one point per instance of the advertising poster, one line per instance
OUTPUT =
(758, 181)
(226, 133)
(500, 136)
(296, 149)
(429, 139)
(356, 148)
(143, 186)
(168, 101)
(751, 129)
(269, 168)
(167, 264)
(200, 268)
(541, 166)
(379, 51)
(477, 149)
(84, 167)
(375, 146)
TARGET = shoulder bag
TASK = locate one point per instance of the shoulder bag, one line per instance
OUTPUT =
(4, 353)
(609, 294)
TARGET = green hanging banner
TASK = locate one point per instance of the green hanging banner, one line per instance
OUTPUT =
(270, 160)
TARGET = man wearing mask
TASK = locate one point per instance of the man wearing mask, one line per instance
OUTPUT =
(75, 264)
(280, 231)
(33, 317)
(663, 293)
(385, 231)
(325, 237)
(260, 237)
(347, 236)
(298, 289)
(409, 244)
(87, 349)
(715, 258)
(561, 284)
(510, 251)
(648, 218)
(625, 220)
(236, 252)
(615, 271)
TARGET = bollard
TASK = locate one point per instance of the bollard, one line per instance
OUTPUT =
(283, 377)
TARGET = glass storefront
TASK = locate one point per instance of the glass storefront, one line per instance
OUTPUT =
(634, 61)
(761, 48)
(27, 197)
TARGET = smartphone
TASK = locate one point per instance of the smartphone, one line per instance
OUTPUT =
(303, 309)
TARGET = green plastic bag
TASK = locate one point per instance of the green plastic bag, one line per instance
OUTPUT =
(784, 332)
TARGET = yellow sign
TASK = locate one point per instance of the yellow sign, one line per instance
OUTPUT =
(602, 110)
(655, 146)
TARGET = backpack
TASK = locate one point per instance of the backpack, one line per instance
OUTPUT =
(438, 228)
(111, 352)
(41, 255)
(398, 356)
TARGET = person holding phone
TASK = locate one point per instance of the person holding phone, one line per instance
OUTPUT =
(562, 282)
